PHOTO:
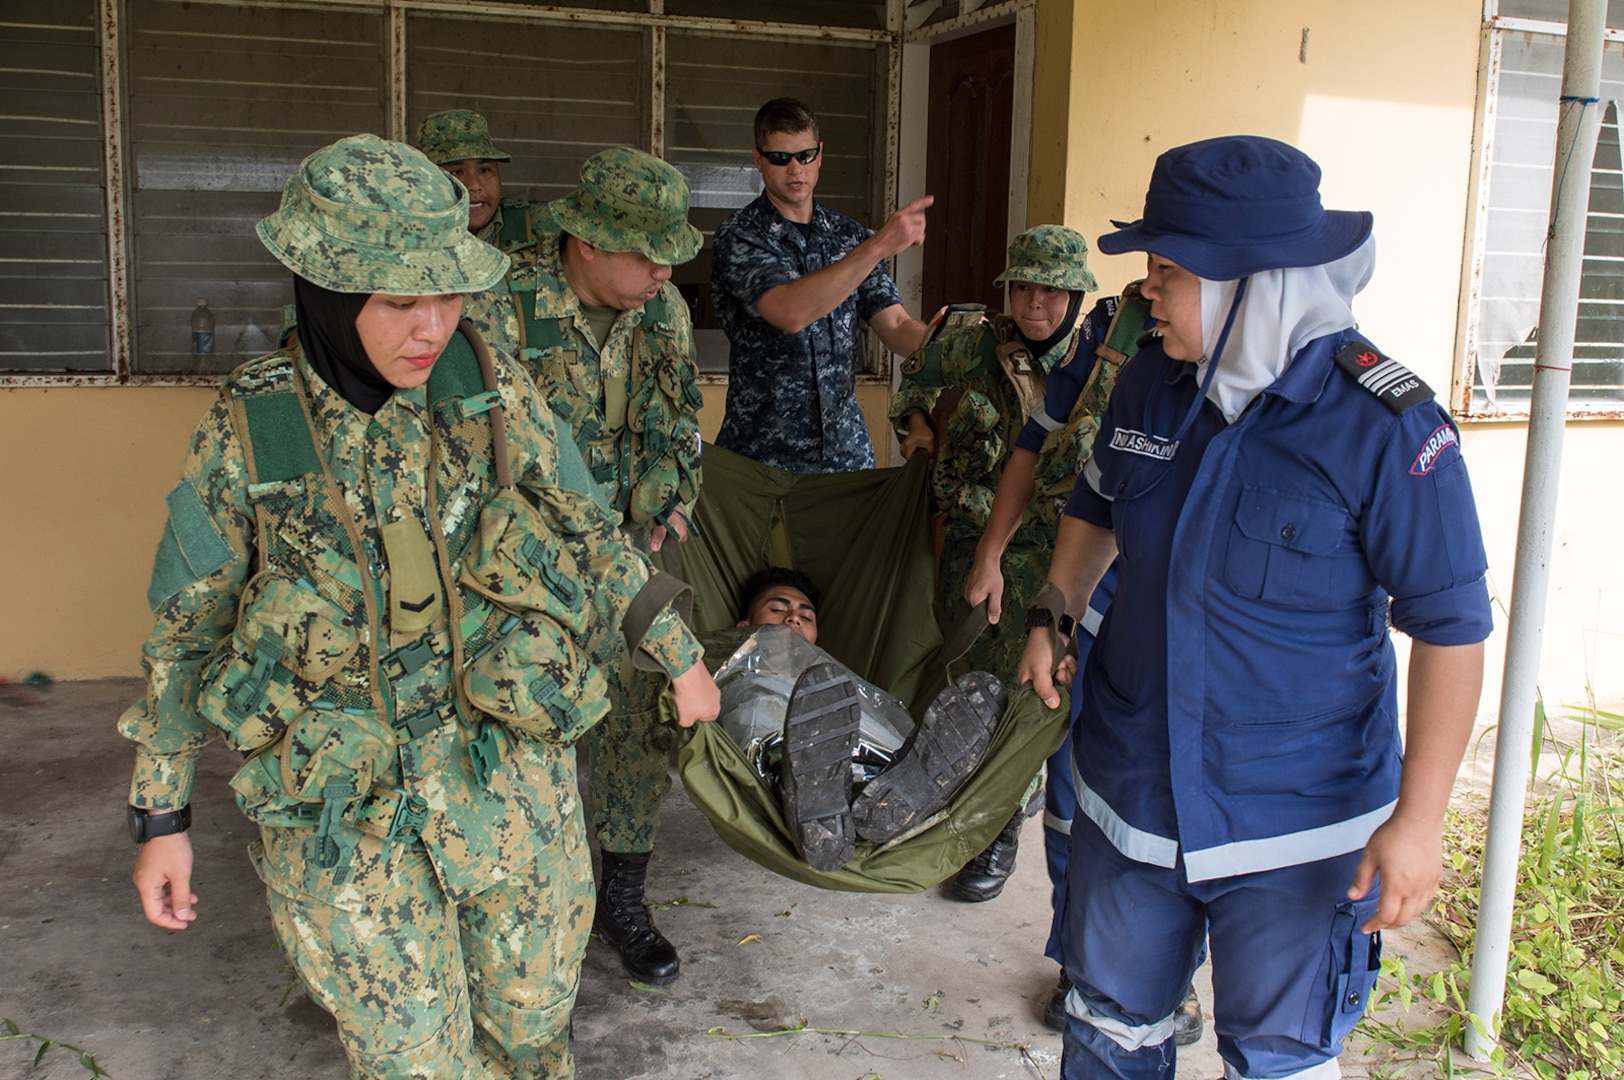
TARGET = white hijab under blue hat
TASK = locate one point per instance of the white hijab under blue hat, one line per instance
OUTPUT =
(1243, 214)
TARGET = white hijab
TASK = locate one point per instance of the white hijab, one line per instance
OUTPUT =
(1283, 310)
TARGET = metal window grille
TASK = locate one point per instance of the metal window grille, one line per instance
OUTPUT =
(1513, 208)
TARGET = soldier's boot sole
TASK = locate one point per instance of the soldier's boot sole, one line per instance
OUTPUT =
(936, 760)
(820, 735)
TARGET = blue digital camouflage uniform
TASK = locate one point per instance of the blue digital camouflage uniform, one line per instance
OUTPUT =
(399, 650)
(792, 398)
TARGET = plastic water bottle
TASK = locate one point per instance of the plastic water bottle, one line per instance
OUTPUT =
(202, 329)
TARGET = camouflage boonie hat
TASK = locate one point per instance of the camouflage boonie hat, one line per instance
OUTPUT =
(629, 200)
(457, 135)
(1051, 255)
(366, 215)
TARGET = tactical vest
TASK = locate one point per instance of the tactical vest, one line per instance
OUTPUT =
(630, 463)
(1000, 388)
(516, 231)
(307, 684)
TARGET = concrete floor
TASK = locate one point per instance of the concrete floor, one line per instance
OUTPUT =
(962, 985)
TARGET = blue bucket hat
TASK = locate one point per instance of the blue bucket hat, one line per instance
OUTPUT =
(1229, 207)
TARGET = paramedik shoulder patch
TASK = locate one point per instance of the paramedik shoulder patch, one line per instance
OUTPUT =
(1395, 385)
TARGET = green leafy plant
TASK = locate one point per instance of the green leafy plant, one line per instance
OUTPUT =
(1563, 1017)
(86, 1058)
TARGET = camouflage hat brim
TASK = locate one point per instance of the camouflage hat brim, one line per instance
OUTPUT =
(1076, 279)
(1051, 255)
(630, 200)
(671, 246)
(397, 225)
(450, 155)
(457, 135)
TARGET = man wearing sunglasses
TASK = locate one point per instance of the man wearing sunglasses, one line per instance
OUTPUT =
(791, 280)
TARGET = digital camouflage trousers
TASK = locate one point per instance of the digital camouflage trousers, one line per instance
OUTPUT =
(628, 772)
(425, 989)
(999, 647)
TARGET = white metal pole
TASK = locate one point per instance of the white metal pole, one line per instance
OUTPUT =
(1553, 370)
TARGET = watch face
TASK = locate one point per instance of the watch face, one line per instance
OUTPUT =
(137, 821)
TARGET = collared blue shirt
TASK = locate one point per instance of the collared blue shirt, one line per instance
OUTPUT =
(1240, 705)
(792, 398)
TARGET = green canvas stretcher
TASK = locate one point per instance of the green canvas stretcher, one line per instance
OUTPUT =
(865, 539)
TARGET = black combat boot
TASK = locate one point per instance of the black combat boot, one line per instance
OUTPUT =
(983, 877)
(624, 923)
(934, 761)
(1054, 1010)
(1188, 1023)
(814, 786)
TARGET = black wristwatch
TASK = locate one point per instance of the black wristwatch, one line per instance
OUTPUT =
(1042, 617)
(146, 824)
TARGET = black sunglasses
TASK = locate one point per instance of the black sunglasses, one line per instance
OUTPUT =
(783, 157)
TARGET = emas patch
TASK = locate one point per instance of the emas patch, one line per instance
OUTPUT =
(1433, 450)
(1396, 385)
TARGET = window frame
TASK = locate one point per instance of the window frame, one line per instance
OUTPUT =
(113, 21)
(1495, 29)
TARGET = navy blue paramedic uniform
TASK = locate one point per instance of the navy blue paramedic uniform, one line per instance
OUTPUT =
(1064, 385)
(1238, 740)
(792, 398)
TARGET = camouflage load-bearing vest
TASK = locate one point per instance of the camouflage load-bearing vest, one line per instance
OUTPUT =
(633, 466)
(1001, 386)
(308, 671)
(1066, 449)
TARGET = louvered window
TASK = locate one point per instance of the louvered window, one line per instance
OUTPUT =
(53, 210)
(1514, 196)
(203, 109)
(224, 103)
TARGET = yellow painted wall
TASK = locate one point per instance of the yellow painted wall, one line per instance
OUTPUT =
(85, 473)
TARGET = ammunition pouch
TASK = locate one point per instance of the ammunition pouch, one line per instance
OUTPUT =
(288, 642)
(525, 614)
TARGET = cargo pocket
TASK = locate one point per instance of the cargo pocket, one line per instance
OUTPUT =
(289, 641)
(517, 563)
(1281, 546)
(1353, 961)
(326, 754)
(660, 417)
(534, 679)
(525, 614)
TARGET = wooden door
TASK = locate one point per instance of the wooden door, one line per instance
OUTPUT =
(972, 82)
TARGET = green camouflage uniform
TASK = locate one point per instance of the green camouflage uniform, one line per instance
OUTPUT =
(462, 134)
(397, 647)
(1002, 384)
(632, 402)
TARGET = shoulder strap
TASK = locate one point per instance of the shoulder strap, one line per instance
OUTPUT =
(1394, 385)
(276, 434)
(456, 374)
(516, 230)
(655, 311)
(1127, 327)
